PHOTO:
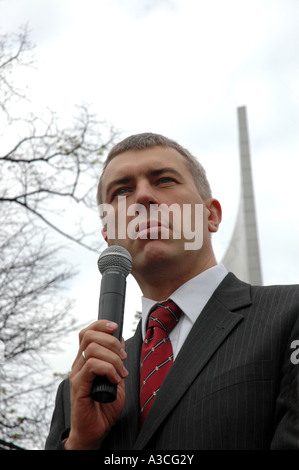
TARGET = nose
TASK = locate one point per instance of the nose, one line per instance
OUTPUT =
(145, 194)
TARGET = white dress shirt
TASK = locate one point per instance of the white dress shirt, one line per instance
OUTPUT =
(191, 297)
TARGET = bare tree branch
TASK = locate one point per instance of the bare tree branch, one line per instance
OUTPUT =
(46, 171)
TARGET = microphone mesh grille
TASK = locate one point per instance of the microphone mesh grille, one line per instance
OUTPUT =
(115, 256)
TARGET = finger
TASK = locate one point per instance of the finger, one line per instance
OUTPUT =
(97, 351)
(104, 326)
(122, 353)
(101, 346)
(100, 326)
(81, 381)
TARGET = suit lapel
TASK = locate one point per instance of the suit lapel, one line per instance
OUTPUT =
(214, 324)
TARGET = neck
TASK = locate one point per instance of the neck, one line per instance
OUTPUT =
(160, 283)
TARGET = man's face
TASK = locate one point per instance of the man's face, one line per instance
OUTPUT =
(149, 178)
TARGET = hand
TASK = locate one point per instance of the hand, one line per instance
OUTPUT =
(91, 421)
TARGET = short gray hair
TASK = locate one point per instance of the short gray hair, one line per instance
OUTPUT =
(147, 140)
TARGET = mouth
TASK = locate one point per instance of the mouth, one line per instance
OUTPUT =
(152, 229)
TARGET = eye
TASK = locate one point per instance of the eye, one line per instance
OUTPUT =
(165, 180)
(119, 192)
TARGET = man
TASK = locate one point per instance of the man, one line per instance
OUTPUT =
(232, 383)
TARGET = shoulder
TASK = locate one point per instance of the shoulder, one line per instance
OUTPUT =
(276, 306)
(273, 304)
(285, 295)
(283, 291)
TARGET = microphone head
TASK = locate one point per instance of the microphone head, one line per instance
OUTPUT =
(115, 257)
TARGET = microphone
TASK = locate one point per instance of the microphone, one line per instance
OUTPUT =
(114, 263)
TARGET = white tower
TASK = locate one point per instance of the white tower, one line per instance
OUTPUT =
(242, 256)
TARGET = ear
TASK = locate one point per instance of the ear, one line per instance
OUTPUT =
(105, 236)
(214, 214)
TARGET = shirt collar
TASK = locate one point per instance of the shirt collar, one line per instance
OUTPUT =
(192, 296)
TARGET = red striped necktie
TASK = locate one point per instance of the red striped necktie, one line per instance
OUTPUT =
(156, 353)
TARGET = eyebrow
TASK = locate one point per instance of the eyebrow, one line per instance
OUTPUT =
(159, 171)
(128, 178)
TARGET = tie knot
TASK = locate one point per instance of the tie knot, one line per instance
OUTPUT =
(165, 315)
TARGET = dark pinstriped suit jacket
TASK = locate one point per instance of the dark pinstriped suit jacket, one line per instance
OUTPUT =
(232, 386)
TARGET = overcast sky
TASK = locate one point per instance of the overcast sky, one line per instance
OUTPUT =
(181, 68)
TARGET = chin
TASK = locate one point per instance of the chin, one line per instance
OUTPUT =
(155, 251)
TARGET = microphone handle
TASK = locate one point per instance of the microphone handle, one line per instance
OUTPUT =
(111, 307)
